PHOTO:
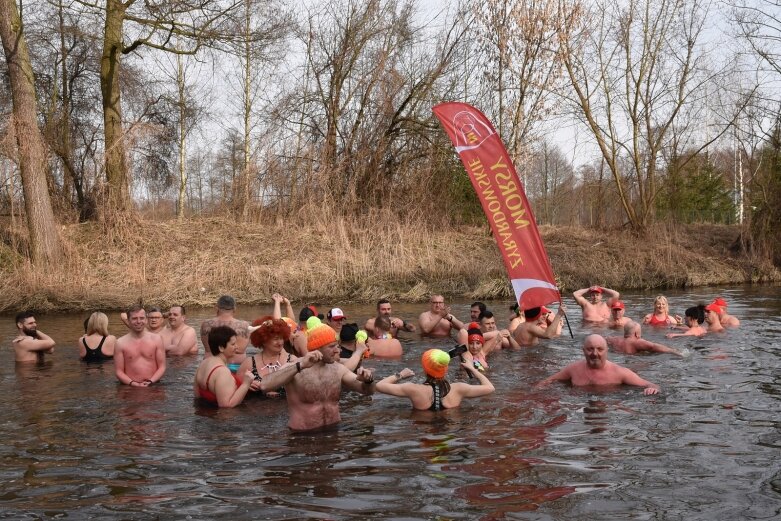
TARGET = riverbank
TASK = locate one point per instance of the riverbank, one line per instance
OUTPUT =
(194, 261)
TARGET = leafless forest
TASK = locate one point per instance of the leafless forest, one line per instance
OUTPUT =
(617, 114)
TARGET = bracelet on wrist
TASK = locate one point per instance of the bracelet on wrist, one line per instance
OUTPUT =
(298, 367)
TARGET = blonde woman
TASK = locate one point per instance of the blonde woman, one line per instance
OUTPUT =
(661, 315)
(96, 345)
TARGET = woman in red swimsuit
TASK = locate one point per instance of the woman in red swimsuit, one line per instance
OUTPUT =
(214, 382)
(661, 315)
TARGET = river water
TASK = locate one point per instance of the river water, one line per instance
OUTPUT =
(78, 445)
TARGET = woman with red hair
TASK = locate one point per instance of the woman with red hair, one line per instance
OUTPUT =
(270, 337)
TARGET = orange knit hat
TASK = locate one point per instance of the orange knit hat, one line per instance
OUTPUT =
(318, 334)
(435, 362)
(292, 324)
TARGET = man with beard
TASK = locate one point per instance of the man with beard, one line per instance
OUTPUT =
(30, 344)
(139, 356)
(397, 324)
(597, 370)
(313, 383)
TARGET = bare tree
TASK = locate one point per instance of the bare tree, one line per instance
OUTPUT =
(521, 66)
(154, 25)
(45, 246)
(258, 34)
(638, 70)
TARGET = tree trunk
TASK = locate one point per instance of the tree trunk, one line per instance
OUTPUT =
(45, 247)
(118, 186)
(180, 83)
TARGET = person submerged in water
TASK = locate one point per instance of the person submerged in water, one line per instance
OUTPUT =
(214, 382)
(597, 370)
(96, 345)
(270, 338)
(436, 393)
(595, 309)
(725, 318)
(693, 318)
(632, 342)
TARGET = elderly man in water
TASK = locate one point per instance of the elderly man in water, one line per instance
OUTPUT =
(438, 321)
(633, 343)
(617, 318)
(139, 356)
(597, 370)
(313, 383)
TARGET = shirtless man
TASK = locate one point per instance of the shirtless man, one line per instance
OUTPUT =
(154, 320)
(633, 343)
(725, 319)
(617, 318)
(313, 384)
(516, 317)
(529, 332)
(597, 370)
(475, 310)
(30, 345)
(438, 321)
(397, 324)
(594, 308)
(139, 356)
(226, 307)
(493, 337)
(712, 312)
(178, 337)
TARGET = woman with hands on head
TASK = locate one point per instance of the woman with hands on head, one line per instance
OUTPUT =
(436, 393)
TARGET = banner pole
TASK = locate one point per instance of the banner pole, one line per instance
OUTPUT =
(566, 319)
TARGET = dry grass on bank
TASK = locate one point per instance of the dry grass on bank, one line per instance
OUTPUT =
(195, 261)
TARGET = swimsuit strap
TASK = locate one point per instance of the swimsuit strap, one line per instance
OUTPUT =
(103, 339)
(210, 373)
(84, 341)
(255, 370)
(436, 405)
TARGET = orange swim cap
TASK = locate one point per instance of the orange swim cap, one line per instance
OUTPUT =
(318, 334)
(435, 362)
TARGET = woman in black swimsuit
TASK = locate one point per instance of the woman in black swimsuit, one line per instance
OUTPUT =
(270, 338)
(436, 393)
(96, 345)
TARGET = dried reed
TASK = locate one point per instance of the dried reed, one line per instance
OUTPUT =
(320, 255)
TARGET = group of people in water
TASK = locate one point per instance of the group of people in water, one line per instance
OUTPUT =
(309, 361)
